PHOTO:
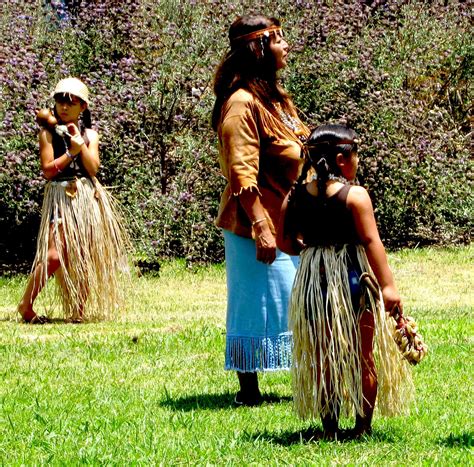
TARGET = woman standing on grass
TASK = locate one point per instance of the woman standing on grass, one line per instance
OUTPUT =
(334, 320)
(81, 239)
(259, 147)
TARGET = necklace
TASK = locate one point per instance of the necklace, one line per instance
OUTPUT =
(291, 122)
(340, 179)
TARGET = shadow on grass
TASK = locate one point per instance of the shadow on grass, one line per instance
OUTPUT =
(464, 440)
(18, 320)
(213, 401)
(316, 434)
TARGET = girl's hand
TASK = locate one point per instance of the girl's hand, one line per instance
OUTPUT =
(391, 299)
(76, 139)
(266, 244)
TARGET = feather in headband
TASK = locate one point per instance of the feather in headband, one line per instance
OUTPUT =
(257, 34)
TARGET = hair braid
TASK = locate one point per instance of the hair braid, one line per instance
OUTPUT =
(323, 146)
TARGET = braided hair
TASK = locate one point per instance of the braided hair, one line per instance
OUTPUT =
(322, 147)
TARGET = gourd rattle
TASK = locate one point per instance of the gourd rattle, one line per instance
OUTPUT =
(46, 119)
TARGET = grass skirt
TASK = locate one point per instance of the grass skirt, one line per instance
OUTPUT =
(326, 338)
(92, 244)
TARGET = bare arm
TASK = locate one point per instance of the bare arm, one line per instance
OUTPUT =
(264, 239)
(359, 203)
(48, 166)
(89, 154)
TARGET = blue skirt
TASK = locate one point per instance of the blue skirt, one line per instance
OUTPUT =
(258, 296)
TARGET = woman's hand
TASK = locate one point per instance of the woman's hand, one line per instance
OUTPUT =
(77, 141)
(391, 299)
(265, 242)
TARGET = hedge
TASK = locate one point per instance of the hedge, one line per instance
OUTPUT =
(397, 71)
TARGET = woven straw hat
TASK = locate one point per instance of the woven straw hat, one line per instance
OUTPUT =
(72, 86)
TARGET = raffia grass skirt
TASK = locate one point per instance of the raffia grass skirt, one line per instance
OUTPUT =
(92, 244)
(326, 338)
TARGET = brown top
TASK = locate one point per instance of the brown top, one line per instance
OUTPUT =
(256, 152)
(322, 222)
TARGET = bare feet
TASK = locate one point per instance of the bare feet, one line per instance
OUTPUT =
(330, 435)
(363, 426)
(39, 320)
(30, 317)
(330, 427)
(26, 313)
(74, 320)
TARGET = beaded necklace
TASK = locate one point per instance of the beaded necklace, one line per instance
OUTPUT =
(291, 122)
(339, 178)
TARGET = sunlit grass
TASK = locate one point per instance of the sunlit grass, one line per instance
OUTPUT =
(151, 387)
(435, 278)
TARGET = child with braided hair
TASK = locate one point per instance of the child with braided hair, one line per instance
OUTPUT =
(344, 353)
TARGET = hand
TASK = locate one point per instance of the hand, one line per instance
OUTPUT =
(391, 299)
(76, 139)
(266, 244)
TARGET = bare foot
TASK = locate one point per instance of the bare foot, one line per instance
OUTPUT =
(29, 316)
(330, 435)
(74, 320)
(27, 313)
(357, 433)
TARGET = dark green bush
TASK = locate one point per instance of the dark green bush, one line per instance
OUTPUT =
(398, 72)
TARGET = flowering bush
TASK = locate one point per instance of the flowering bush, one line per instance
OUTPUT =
(149, 77)
(396, 71)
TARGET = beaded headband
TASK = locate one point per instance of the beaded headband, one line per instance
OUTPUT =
(257, 34)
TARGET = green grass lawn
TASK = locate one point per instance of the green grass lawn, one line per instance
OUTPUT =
(151, 388)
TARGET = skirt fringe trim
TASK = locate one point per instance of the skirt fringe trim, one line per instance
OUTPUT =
(258, 353)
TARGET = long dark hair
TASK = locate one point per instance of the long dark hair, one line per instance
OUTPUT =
(322, 147)
(249, 65)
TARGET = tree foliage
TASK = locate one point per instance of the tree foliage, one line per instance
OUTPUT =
(397, 71)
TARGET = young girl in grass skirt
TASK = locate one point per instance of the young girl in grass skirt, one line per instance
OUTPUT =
(344, 354)
(82, 240)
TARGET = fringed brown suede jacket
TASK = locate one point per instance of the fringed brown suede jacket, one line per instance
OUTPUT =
(257, 151)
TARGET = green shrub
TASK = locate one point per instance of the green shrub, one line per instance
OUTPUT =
(397, 71)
